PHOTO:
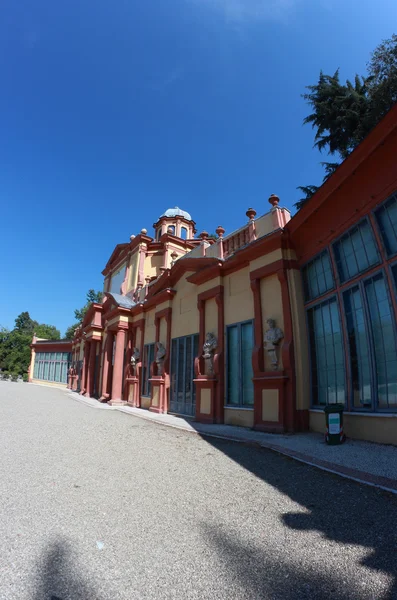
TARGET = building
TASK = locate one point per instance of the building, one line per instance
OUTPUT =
(266, 325)
(50, 361)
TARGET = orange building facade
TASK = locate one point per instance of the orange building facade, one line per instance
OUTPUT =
(266, 325)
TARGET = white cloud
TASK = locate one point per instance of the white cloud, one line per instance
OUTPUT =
(243, 10)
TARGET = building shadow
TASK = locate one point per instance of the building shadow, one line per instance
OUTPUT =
(59, 576)
(341, 510)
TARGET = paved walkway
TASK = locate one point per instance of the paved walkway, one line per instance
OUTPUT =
(373, 464)
(100, 505)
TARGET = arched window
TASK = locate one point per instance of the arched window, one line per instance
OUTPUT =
(183, 233)
(171, 229)
(158, 236)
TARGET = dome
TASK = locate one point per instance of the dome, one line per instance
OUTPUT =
(177, 212)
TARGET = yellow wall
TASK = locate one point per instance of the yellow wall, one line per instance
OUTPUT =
(163, 332)
(272, 308)
(133, 271)
(138, 338)
(242, 418)
(270, 405)
(301, 349)
(150, 329)
(264, 225)
(211, 317)
(205, 401)
(266, 259)
(49, 383)
(185, 317)
(152, 265)
(145, 402)
(379, 428)
(239, 305)
(208, 285)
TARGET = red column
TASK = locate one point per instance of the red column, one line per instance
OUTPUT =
(85, 368)
(117, 383)
(107, 357)
(91, 369)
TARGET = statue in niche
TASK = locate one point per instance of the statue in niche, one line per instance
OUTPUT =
(209, 348)
(135, 356)
(273, 336)
(160, 354)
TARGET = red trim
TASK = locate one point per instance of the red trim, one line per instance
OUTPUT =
(159, 298)
(273, 268)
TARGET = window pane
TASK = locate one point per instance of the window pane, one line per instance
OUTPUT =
(46, 369)
(246, 364)
(117, 280)
(355, 251)
(57, 371)
(174, 368)
(358, 348)
(326, 350)
(383, 333)
(317, 276)
(233, 371)
(51, 373)
(386, 216)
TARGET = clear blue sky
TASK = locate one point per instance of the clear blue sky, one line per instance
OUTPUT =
(113, 111)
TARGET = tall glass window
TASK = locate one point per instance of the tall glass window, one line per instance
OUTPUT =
(240, 342)
(355, 251)
(360, 363)
(183, 393)
(384, 340)
(317, 276)
(327, 358)
(148, 358)
(117, 280)
(386, 216)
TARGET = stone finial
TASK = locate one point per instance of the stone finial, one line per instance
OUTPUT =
(143, 231)
(274, 200)
(132, 237)
(251, 213)
(220, 231)
(204, 235)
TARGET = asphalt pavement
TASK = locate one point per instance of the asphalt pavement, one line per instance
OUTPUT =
(100, 505)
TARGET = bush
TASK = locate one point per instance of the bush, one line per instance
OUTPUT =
(4, 375)
(25, 377)
(14, 376)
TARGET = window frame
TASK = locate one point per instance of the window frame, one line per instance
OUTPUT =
(145, 384)
(322, 300)
(374, 213)
(239, 325)
(325, 250)
(192, 337)
(332, 245)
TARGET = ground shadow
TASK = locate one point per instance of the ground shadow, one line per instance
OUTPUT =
(59, 577)
(342, 510)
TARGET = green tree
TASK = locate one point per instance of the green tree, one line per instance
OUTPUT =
(15, 344)
(79, 313)
(344, 114)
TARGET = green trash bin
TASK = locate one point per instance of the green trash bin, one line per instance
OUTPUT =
(334, 424)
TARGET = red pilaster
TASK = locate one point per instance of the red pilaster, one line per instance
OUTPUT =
(85, 368)
(117, 383)
(91, 369)
(107, 357)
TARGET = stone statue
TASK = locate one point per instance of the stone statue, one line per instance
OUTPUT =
(209, 348)
(273, 335)
(135, 356)
(160, 354)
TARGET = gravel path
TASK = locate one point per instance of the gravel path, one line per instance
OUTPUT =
(97, 504)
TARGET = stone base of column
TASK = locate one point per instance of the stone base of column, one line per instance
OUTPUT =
(269, 401)
(159, 386)
(117, 402)
(132, 385)
(205, 398)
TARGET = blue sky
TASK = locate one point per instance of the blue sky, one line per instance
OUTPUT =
(111, 112)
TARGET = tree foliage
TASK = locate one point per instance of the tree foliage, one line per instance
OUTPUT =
(344, 113)
(15, 344)
(79, 313)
